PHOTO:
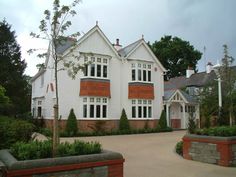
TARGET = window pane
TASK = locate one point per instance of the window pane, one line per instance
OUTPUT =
(91, 100)
(144, 75)
(92, 71)
(98, 111)
(93, 59)
(144, 111)
(139, 65)
(133, 65)
(104, 60)
(104, 111)
(139, 74)
(91, 111)
(133, 112)
(104, 100)
(144, 101)
(133, 74)
(85, 111)
(139, 101)
(86, 70)
(149, 111)
(133, 101)
(98, 100)
(149, 76)
(149, 66)
(84, 99)
(99, 60)
(104, 71)
(144, 65)
(139, 111)
(98, 70)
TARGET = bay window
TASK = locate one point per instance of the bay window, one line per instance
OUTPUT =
(141, 108)
(95, 107)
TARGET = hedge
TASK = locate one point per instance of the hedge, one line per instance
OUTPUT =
(13, 130)
(217, 131)
(43, 149)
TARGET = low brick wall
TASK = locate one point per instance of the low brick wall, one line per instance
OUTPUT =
(86, 125)
(210, 149)
(106, 164)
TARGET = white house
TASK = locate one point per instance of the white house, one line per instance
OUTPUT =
(129, 78)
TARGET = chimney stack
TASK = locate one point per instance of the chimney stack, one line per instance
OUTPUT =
(209, 67)
(117, 45)
(189, 72)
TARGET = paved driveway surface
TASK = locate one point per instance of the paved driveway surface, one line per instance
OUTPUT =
(152, 155)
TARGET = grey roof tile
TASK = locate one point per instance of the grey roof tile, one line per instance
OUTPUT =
(126, 50)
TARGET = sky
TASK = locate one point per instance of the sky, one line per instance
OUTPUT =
(209, 23)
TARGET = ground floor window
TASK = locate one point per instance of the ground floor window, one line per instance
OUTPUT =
(141, 108)
(95, 107)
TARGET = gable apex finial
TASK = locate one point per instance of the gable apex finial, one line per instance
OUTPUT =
(142, 36)
(96, 23)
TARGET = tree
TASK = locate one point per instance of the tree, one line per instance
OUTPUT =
(4, 100)
(191, 123)
(124, 122)
(53, 28)
(208, 98)
(228, 77)
(162, 124)
(175, 55)
(12, 69)
(71, 124)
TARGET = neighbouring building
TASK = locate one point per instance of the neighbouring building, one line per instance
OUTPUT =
(181, 96)
(129, 78)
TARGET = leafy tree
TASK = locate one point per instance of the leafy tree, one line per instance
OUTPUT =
(71, 124)
(162, 124)
(175, 55)
(4, 100)
(12, 69)
(208, 99)
(53, 28)
(228, 77)
(124, 122)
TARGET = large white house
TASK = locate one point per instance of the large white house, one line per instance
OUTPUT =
(129, 78)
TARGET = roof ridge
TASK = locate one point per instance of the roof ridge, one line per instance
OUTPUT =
(130, 44)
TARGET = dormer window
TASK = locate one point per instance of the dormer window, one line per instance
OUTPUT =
(97, 68)
(141, 72)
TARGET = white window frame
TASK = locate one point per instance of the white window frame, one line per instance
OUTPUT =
(94, 60)
(143, 66)
(88, 101)
(141, 102)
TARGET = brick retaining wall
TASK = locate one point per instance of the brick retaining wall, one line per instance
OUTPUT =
(106, 164)
(210, 149)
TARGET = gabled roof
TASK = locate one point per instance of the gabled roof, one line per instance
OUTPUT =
(126, 50)
(169, 94)
(65, 44)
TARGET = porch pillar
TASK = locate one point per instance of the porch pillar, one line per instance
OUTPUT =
(167, 114)
(184, 116)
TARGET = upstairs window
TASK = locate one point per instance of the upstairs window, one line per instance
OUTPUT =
(98, 67)
(141, 72)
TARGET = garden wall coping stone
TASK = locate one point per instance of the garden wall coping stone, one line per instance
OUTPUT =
(12, 163)
(217, 138)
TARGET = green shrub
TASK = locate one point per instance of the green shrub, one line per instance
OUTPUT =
(191, 124)
(46, 132)
(162, 124)
(179, 148)
(124, 122)
(71, 124)
(43, 149)
(12, 130)
(217, 131)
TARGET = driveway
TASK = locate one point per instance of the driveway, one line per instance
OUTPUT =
(152, 155)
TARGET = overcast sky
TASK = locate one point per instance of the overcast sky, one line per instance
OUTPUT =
(209, 23)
